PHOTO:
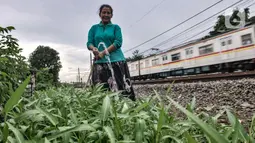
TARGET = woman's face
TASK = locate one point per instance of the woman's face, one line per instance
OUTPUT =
(106, 15)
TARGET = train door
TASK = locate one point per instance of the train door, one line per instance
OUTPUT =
(188, 56)
(225, 43)
(231, 53)
(147, 70)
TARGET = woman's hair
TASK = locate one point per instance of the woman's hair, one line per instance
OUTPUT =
(105, 5)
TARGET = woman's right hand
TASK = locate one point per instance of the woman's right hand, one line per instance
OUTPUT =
(95, 51)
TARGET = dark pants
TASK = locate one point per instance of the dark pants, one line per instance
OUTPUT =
(102, 74)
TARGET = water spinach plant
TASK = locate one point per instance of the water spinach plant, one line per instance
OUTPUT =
(93, 115)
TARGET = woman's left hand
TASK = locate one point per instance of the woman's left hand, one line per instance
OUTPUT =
(101, 54)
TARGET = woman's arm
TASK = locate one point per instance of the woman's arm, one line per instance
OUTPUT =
(118, 38)
(90, 42)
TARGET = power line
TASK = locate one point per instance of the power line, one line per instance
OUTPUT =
(148, 12)
(193, 36)
(171, 38)
(176, 36)
(246, 2)
(182, 41)
(251, 4)
(176, 25)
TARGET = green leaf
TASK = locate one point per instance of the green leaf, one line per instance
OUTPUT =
(208, 130)
(46, 140)
(73, 117)
(125, 108)
(15, 97)
(252, 127)
(139, 108)
(110, 133)
(26, 114)
(105, 110)
(241, 131)
(193, 103)
(10, 28)
(17, 134)
(161, 122)
(48, 115)
(236, 130)
(126, 141)
(139, 130)
(82, 127)
(5, 132)
(190, 138)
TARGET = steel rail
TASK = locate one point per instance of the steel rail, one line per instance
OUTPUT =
(200, 77)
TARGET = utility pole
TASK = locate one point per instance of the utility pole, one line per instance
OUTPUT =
(79, 77)
(90, 73)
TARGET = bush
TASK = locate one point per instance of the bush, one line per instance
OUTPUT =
(13, 68)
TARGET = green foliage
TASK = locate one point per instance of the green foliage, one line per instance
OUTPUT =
(44, 80)
(93, 115)
(136, 56)
(46, 57)
(13, 67)
(220, 26)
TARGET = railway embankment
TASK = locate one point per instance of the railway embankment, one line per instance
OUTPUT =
(211, 96)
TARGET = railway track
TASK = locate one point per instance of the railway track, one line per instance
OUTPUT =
(204, 77)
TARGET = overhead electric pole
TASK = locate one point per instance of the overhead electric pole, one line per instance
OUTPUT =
(79, 76)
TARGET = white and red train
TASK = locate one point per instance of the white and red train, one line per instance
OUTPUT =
(227, 52)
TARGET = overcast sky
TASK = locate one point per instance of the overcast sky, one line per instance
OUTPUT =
(64, 24)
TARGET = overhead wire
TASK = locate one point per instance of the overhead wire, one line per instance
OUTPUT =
(186, 40)
(251, 4)
(175, 26)
(173, 37)
(176, 36)
(193, 35)
(147, 13)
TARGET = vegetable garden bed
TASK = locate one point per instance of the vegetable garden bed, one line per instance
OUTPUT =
(92, 115)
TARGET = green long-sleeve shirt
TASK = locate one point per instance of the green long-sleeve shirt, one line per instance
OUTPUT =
(109, 34)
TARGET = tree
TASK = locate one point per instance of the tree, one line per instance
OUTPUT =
(136, 56)
(46, 57)
(13, 67)
(247, 14)
(220, 26)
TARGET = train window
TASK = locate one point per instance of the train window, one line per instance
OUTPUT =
(246, 39)
(229, 42)
(223, 43)
(226, 41)
(154, 62)
(189, 51)
(176, 57)
(147, 63)
(205, 49)
(164, 58)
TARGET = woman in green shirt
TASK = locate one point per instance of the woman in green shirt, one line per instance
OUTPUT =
(110, 34)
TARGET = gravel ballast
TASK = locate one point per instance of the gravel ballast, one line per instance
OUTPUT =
(211, 97)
